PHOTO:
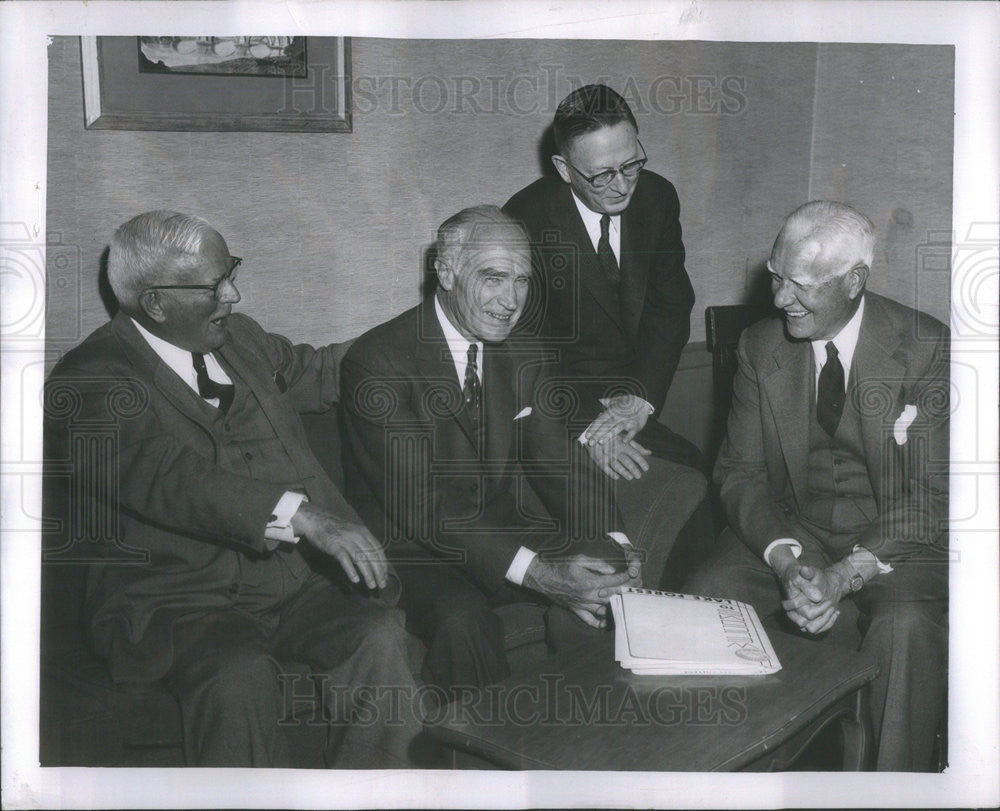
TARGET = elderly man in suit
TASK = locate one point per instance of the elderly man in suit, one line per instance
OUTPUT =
(834, 473)
(240, 529)
(445, 422)
(614, 299)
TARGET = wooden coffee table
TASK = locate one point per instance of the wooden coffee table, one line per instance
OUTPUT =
(581, 710)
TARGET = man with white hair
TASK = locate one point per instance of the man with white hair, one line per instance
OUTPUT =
(834, 473)
(243, 535)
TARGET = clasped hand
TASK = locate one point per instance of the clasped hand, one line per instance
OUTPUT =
(812, 596)
(584, 584)
(348, 542)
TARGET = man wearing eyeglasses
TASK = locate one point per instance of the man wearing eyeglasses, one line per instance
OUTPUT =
(615, 299)
(246, 541)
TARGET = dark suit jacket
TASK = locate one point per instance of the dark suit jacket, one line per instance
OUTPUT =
(635, 347)
(901, 360)
(418, 471)
(199, 526)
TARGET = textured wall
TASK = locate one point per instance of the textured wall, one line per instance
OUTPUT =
(333, 226)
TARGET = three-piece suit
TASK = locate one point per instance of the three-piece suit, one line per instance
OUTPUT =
(881, 482)
(187, 589)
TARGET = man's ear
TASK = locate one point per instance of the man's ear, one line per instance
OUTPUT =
(561, 167)
(857, 278)
(446, 276)
(151, 304)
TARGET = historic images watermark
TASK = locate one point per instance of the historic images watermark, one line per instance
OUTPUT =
(316, 699)
(523, 94)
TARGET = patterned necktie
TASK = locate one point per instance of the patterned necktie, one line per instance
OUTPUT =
(830, 391)
(208, 388)
(607, 256)
(472, 389)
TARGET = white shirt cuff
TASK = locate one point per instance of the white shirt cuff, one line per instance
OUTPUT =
(279, 528)
(620, 538)
(796, 548)
(519, 565)
(883, 568)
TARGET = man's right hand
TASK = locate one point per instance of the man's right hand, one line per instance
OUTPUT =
(348, 542)
(574, 583)
(620, 459)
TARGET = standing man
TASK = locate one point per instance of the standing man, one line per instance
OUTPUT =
(445, 422)
(615, 300)
(834, 473)
(219, 491)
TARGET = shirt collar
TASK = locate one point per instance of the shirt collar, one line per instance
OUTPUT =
(592, 222)
(457, 343)
(176, 358)
(180, 360)
(846, 341)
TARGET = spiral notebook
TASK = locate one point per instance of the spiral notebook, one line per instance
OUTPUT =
(663, 633)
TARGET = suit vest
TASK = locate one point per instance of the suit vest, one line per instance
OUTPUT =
(840, 501)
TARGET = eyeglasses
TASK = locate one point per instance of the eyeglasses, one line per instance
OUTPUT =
(234, 262)
(603, 179)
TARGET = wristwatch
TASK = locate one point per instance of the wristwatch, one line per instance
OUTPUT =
(854, 579)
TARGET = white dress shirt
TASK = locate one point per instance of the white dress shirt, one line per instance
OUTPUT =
(592, 222)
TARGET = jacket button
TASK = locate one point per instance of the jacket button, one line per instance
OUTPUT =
(248, 456)
(234, 588)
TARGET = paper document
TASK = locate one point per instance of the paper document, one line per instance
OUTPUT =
(659, 632)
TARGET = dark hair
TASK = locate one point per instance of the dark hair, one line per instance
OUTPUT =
(586, 109)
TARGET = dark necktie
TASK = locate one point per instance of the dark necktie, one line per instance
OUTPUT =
(830, 391)
(208, 388)
(607, 256)
(472, 389)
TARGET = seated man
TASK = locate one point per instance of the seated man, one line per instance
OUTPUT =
(834, 475)
(443, 422)
(223, 500)
(615, 304)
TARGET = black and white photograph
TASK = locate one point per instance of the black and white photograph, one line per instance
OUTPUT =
(465, 404)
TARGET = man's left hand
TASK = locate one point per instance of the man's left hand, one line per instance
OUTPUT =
(624, 415)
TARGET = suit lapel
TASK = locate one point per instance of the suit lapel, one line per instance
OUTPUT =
(437, 372)
(635, 259)
(789, 392)
(143, 357)
(499, 401)
(878, 369)
(564, 215)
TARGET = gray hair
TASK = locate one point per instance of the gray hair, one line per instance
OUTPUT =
(478, 224)
(824, 218)
(149, 247)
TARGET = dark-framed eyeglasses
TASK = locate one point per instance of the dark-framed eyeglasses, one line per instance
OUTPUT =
(603, 179)
(234, 262)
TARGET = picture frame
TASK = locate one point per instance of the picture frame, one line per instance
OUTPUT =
(118, 96)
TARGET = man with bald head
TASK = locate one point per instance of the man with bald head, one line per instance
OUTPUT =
(834, 475)
(245, 546)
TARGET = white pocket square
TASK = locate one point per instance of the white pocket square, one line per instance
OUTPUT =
(524, 412)
(903, 423)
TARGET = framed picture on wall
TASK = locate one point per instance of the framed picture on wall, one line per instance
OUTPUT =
(221, 84)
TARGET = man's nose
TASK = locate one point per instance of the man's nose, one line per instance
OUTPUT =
(621, 184)
(228, 294)
(782, 294)
(508, 296)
